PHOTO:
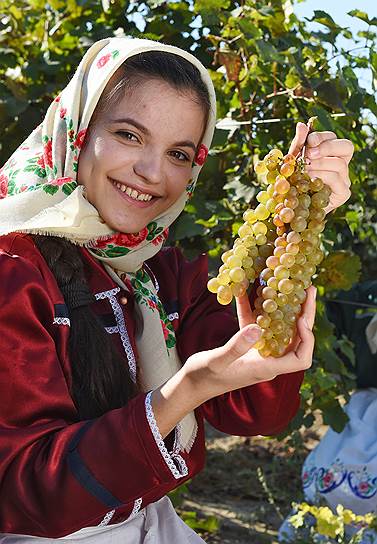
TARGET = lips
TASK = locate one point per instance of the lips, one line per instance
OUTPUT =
(135, 194)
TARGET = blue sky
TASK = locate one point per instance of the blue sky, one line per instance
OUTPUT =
(338, 10)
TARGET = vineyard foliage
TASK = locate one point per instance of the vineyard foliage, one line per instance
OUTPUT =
(270, 70)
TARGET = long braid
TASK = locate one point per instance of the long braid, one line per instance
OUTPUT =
(100, 377)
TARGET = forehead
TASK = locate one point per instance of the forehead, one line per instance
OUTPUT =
(161, 108)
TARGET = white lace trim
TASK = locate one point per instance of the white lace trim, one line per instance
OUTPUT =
(112, 330)
(174, 461)
(62, 321)
(106, 520)
(107, 294)
(135, 509)
(121, 326)
(173, 316)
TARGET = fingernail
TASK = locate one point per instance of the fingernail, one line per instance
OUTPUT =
(252, 334)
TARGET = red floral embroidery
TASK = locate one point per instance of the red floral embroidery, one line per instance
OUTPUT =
(41, 161)
(103, 60)
(71, 134)
(80, 138)
(63, 112)
(125, 240)
(151, 304)
(328, 478)
(201, 155)
(161, 239)
(47, 154)
(3, 185)
(164, 329)
(131, 240)
(60, 181)
(57, 99)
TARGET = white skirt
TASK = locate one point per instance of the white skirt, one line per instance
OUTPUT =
(157, 523)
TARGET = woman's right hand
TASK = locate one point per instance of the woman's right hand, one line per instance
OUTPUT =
(237, 364)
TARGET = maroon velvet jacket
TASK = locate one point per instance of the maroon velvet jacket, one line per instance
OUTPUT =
(59, 474)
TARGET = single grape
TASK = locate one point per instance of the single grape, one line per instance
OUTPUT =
(287, 260)
(266, 274)
(306, 247)
(271, 204)
(261, 239)
(263, 321)
(249, 241)
(266, 250)
(318, 214)
(261, 212)
(244, 230)
(293, 237)
(277, 315)
(267, 333)
(302, 186)
(282, 300)
(286, 286)
(298, 224)
(223, 278)
(226, 255)
(249, 216)
(320, 199)
(259, 264)
(273, 282)
(279, 251)
(300, 259)
(260, 344)
(260, 168)
(213, 285)
(237, 274)
(247, 262)
(286, 215)
(269, 306)
(234, 261)
(293, 249)
(251, 274)
(281, 273)
(297, 271)
(316, 226)
(304, 200)
(287, 169)
(277, 327)
(253, 252)
(272, 262)
(224, 295)
(238, 289)
(282, 185)
(281, 241)
(268, 292)
(316, 184)
(263, 196)
(241, 251)
(291, 202)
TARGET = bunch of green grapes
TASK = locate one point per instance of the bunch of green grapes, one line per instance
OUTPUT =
(280, 245)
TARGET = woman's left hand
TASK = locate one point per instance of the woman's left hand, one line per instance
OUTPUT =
(327, 158)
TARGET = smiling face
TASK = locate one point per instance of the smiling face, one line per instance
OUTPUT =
(138, 158)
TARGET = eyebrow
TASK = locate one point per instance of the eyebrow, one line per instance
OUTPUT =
(142, 128)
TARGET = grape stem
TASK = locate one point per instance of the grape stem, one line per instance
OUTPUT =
(309, 124)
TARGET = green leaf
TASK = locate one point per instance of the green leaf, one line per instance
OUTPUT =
(335, 416)
(117, 251)
(339, 270)
(68, 188)
(50, 189)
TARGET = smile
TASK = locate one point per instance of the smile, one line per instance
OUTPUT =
(132, 193)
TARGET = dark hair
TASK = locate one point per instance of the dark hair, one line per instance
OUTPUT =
(100, 376)
(171, 68)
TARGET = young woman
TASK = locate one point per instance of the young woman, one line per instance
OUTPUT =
(111, 351)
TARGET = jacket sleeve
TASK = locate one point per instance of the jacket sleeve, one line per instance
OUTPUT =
(265, 408)
(58, 474)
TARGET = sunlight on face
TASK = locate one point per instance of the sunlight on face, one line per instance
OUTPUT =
(138, 157)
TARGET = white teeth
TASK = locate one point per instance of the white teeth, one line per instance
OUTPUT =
(132, 192)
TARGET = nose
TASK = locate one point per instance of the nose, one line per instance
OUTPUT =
(149, 167)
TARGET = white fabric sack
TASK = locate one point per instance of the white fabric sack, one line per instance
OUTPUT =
(157, 523)
(342, 469)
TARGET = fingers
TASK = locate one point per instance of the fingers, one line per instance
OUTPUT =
(309, 306)
(330, 148)
(239, 344)
(304, 352)
(330, 164)
(316, 138)
(299, 139)
(244, 312)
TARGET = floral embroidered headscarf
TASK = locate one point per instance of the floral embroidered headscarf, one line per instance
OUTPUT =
(39, 194)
